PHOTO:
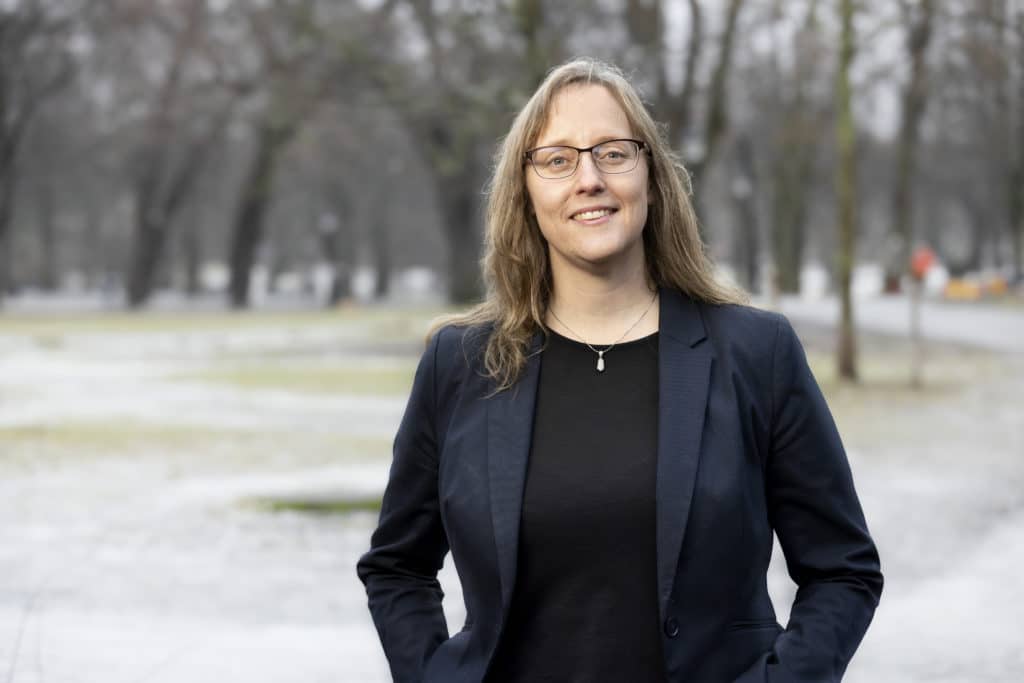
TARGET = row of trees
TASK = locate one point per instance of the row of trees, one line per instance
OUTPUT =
(139, 139)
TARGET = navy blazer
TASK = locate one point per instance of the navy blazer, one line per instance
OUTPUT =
(746, 446)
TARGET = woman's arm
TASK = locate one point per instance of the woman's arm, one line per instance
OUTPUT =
(409, 545)
(813, 507)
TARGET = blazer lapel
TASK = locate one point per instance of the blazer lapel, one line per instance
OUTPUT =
(509, 434)
(684, 370)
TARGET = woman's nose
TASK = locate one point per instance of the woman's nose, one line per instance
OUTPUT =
(588, 177)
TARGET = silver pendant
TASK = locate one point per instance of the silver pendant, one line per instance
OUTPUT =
(600, 361)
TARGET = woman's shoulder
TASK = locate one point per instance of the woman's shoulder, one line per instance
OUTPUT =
(751, 322)
(454, 335)
(458, 346)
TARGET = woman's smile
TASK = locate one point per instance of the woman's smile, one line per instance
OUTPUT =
(593, 216)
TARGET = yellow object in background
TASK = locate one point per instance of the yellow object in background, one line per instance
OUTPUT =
(997, 286)
(962, 290)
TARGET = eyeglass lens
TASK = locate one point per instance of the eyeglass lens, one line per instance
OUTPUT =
(614, 156)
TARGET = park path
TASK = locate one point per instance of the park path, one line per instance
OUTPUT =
(997, 327)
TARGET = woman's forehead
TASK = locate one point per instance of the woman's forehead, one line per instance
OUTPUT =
(583, 114)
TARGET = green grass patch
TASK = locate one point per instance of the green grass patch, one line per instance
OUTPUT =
(389, 320)
(312, 379)
(317, 506)
(106, 435)
(882, 408)
(78, 440)
(886, 374)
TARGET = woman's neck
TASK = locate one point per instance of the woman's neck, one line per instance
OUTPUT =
(599, 310)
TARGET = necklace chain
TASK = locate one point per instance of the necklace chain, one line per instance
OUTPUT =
(600, 353)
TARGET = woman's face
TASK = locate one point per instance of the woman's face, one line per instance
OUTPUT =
(591, 220)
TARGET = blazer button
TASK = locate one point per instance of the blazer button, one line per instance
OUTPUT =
(671, 627)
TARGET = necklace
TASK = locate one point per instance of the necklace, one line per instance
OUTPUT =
(600, 353)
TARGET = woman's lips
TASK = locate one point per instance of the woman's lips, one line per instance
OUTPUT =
(593, 216)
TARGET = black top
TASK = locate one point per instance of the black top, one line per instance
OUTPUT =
(585, 605)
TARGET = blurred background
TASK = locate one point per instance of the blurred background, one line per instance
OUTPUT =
(225, 226)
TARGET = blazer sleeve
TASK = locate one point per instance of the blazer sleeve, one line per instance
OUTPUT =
(814, 510)
(408, 547)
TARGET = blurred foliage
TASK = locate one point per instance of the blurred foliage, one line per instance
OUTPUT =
(147, 144)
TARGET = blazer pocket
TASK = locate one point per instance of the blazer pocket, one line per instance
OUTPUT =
(753, 624)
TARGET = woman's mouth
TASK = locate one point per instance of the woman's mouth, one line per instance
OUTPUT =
(592, 216)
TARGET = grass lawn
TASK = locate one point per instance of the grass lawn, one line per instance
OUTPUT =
(180, 321)
(80, 441)
(314, 379)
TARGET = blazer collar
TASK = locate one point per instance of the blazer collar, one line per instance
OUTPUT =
(684, 374)
(684, 366)
(509, 435)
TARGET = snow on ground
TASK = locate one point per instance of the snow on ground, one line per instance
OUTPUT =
(995, 327)
(148, 566)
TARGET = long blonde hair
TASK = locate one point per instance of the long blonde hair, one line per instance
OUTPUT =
(516, 269)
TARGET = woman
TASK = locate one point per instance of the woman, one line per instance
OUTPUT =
(607, 443)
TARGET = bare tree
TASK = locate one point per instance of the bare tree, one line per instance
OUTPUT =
(1016, 189)
(678, 114)
(176, 139)
(744, 193)
(716, 122)
(290, 84)
(700, 148)
(460, 102)
(985, 97)
(34, 64)
(915, 97)
(846, 193)
(802, 122)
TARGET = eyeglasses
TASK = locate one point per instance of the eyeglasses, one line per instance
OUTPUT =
(612, 156)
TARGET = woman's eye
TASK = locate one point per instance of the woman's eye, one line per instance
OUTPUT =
(613, 153)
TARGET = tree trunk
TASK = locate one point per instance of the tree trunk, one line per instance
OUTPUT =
(381, 245)
(47, 237)
(794, 163)
(159, 196)
(247, 233)
(91, 246)
(789, 217)
(529, 16)
(745, 199)
(915, 98)
(679, 110)
(150, 236)
(1016, 189)
(7, 180)
(460, 206)
(717, 120)
(846, 192)
(192, 252)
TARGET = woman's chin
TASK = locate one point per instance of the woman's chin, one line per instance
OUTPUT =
(606, 254)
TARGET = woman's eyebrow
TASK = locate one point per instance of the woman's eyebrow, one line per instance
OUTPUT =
(564, 142)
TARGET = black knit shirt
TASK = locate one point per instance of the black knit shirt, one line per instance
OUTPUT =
(584, 608)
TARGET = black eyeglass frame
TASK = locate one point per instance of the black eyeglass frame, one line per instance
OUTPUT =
(641, 147)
